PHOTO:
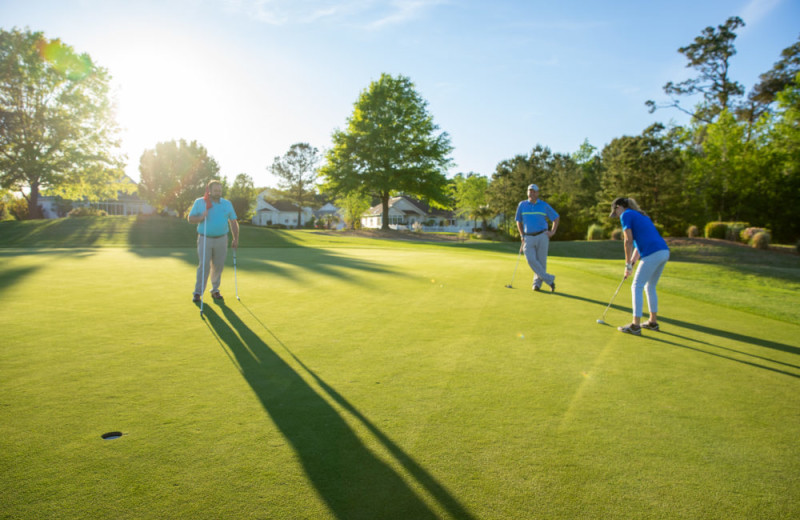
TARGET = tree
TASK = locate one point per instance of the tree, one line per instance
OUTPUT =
(471, 200)
(354, 204)
(174, 174)
(298, 172)
(508, 187)
(57, 127)
(710, 55)
(782, 193)
(775, 80)
(242, 196)
(390, 146)
(648, 168)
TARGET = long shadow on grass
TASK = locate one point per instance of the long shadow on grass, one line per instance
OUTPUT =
(744, 362)
(409, 464)
(352, 481)
(751, 340)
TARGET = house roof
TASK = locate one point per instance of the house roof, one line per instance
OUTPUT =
(421, 207)
(284, 205)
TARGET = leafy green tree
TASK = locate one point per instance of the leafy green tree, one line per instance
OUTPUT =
(648, 168)
(243, 196)
(390, 146)
(772, 82)
(471, 199)
(710, 56)
(721, 173)
(509, 186)
(353, 204)
(298, 171)
(57, 127)
(782, 157)
(174, 174)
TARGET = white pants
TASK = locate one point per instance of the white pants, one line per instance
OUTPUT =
(216, 250)
(645, 280)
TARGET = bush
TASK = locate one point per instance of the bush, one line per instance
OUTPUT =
(18, 208)
(716, 230)
(797, 246)
(761, 240)
(86, 211)
(734, 229)
(595, 232)
(693, 232)
(746, 235)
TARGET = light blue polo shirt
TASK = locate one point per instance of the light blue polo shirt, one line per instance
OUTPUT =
(534, 216)
(216, 223)
(645, 235)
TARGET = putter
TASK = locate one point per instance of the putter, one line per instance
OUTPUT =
(203, 293)
(235, 282)
(601, 321)
(511, 285)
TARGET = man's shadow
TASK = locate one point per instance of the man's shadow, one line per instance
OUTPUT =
(352, 481)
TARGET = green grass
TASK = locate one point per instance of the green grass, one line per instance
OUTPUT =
(365, 378)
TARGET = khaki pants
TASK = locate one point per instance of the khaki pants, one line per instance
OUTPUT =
(536, 255)
(216, 250)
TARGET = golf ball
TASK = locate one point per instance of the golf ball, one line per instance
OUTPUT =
(599, 321)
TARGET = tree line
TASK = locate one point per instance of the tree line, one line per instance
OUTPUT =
(738, 158)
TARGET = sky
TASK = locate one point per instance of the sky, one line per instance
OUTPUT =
(248, 78)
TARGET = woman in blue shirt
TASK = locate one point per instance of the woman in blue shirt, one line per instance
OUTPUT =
(641, 240)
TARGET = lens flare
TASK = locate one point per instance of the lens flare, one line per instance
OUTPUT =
(63, 59)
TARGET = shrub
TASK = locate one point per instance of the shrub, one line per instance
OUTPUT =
(616, 234)
(595, 232)
(416, 226)
(693, 232)
(18, 208)
(734, 229)
(761, 240)
(797, 246)
(716, 230)
(746, 235)
(86, 211)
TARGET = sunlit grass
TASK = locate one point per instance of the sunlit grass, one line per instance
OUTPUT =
(364, 378)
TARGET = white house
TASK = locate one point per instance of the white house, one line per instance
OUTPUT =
(279, 213)
(124, 204)
(330, 212)
(404, 212)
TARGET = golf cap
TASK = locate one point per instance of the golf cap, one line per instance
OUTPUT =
(619, 201)
(533, 187)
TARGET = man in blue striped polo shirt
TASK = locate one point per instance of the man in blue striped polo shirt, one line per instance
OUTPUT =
(532, 217)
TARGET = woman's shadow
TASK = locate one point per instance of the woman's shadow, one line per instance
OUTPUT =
(347, 475)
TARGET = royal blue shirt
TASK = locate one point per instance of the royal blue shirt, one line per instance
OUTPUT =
(216, 223)
(534, 216)
(645, 235)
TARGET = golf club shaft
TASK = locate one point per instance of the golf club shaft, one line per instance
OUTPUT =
(515, 268)
(612, 298)
(203, 292)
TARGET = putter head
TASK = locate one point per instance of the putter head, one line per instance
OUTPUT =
(509, 287)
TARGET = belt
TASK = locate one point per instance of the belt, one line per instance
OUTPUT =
(209, 236)
(534, 234)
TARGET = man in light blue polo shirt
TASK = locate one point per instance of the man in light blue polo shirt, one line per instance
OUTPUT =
(213, 215)
(532, 217)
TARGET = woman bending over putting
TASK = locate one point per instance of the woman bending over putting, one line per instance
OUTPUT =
(641, 240)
